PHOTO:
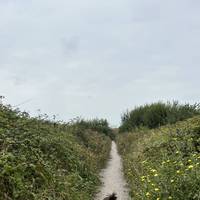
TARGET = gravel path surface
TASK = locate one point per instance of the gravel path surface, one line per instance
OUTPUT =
(112, 177)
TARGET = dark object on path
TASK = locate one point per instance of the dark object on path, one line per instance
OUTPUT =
(111, 197)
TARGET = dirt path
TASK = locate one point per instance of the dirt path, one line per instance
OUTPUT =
(112, 177)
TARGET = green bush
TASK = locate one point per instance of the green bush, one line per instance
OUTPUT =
(157, 114)
(98, 125)
(163, 163)
(41, 159)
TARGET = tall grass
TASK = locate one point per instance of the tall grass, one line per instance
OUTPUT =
(157, 114)
(163, 163)
(41, 159)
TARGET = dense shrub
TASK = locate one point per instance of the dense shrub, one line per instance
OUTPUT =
(99, 125)
(157, 114)
(163, 163)
(40, 159)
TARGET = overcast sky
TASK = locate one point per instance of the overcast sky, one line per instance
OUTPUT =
(97, 58)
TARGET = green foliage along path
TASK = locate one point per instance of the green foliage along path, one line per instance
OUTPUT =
(157, 114)
(44, 160)
(163, 163)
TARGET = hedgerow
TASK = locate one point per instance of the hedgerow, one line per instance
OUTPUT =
(41, 159)
(163, 163)
(157, 114)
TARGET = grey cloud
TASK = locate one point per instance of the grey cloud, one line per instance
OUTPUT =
(70, 46)
(98, 58)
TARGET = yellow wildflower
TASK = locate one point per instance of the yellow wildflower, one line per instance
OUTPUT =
(148, 194)
(156, 189)
(190, 167)
(143, 178)
(155, 175)
(178, 171)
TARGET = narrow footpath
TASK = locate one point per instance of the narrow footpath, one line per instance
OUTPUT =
(112, 178)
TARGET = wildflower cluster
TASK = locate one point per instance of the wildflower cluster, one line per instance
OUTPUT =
(166, 162)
